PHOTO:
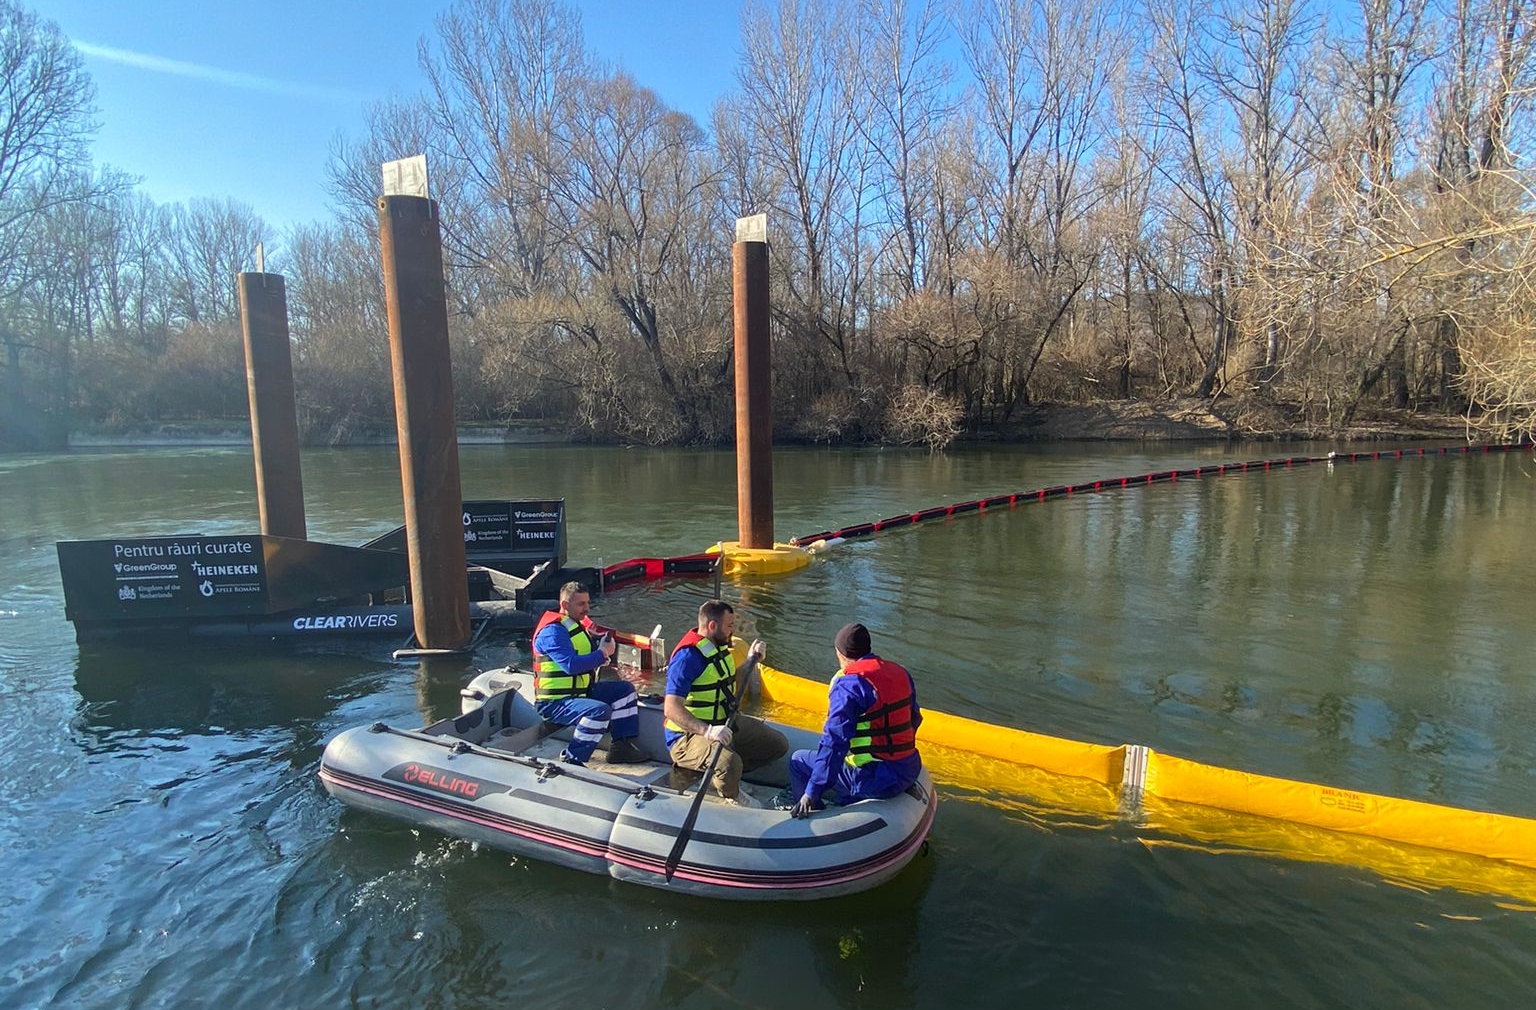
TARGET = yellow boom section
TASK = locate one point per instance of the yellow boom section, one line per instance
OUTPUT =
(1451, 846)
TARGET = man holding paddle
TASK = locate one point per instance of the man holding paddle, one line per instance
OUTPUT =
(700, 706)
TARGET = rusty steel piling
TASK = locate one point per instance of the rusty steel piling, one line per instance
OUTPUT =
(754, 384)
(410, 242)
(274, 418)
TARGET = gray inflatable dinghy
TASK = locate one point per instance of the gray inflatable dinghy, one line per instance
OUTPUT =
(492, 776)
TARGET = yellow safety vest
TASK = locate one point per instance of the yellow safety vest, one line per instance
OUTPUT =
(550, 681)
(706, 698)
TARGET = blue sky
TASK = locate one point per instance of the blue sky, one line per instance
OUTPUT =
(219, 99)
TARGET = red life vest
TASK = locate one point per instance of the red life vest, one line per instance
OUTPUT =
(884, 732)
(690, 638)
(553, 617)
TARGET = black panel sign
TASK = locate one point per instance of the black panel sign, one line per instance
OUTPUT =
(487, 526)
(538, 525)
(163, 576)
(502, 534)
(524, 528)
(198, 577)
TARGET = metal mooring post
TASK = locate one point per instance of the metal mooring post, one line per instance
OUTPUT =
(415, 297)
(274, 419)
(754, 384)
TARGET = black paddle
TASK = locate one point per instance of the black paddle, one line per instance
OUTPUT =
(686, 831)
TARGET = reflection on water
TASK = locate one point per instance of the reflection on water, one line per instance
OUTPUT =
(850, 951)
(202, 688)
(166, 842)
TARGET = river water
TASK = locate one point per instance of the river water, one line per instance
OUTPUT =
(165, 842)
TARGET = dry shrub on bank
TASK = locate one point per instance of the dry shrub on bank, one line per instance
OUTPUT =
(199, 375)
(839, 416)
(919, 415)
(529, 354)
(546, 356)
(1500, 359)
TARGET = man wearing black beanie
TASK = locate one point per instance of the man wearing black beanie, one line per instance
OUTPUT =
(868, 747)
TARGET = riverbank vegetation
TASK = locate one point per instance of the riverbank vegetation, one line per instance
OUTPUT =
(1271, 207)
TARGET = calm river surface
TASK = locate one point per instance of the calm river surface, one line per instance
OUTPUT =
(165, 843)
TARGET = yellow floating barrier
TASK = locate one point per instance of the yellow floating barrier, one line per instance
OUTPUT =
(1169, 824)
(1495, 836)
(775, 560)
(1053, 797)
(1445, 846)
(1097, 762)
(1091, 786)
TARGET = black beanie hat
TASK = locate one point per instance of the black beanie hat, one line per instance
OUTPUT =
(853, 640)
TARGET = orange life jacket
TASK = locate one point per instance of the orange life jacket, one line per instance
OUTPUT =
(884, 732)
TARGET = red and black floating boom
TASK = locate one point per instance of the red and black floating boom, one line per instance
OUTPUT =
(1156, 477)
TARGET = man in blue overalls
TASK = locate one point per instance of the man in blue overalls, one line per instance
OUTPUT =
(567, 653)
(868, 747)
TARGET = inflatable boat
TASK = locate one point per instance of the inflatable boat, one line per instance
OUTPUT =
(492, 775)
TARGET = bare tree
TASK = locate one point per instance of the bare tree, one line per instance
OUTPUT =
(134, 293)
(503, 83)
(209, 242)
(799, 112)
(1261, 73)
(336, 314)
(906, 84)
(1041, 71)
(1377, 62)
(45, 111)
(637, 191)
(1179, 103)
(1481, 200)
(1125, 175)
(45, 121)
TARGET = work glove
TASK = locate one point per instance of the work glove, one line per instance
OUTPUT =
(719, 734)
(804, 807)
(757, 650)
